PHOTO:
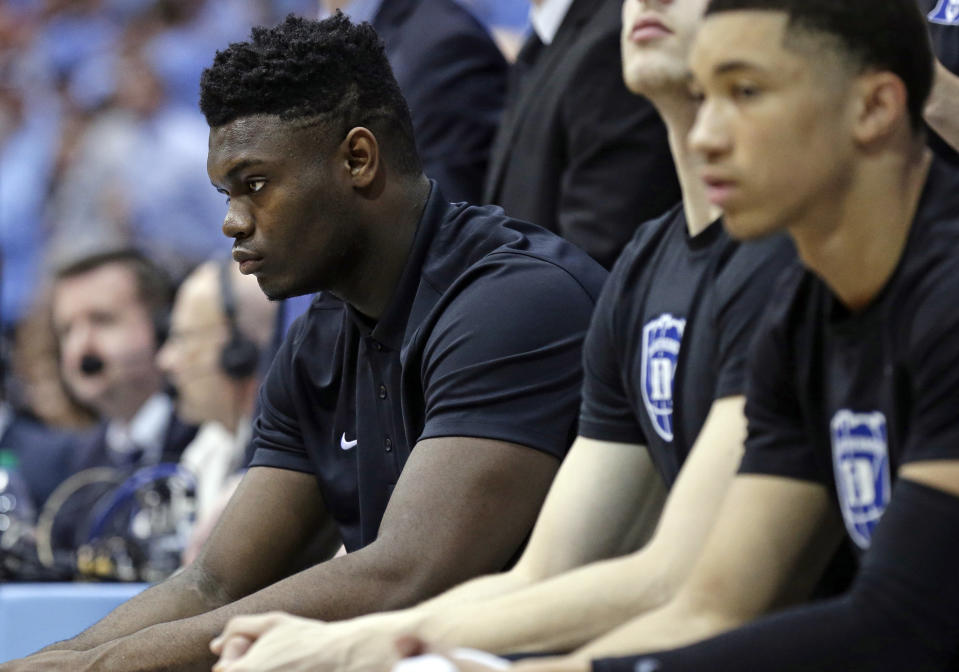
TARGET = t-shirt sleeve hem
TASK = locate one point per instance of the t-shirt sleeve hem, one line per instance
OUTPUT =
(601, 431)
(769, 465)
(265, 457)
(730, 386)
(551, 445)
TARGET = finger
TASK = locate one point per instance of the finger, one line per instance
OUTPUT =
(408, 646)
(233, 649)
(250, 627)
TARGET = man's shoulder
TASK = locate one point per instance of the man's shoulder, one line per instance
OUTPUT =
(473, 240)
(930, 262)
(754, 262)
(649, 237)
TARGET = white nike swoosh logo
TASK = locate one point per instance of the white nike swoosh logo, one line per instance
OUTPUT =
(346, 445)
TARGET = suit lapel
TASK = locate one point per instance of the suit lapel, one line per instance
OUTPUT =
(532, 84)
(391, 14)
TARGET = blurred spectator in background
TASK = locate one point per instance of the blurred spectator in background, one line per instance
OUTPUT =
(576, 152)
(453, 77)
(101, 141)
(110, 313)
(507, 20)
(220, 325)
(942, 110)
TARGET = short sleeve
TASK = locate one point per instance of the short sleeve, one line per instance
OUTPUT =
(777, 443)
(743, 290)
(606, 413)
(933, 370)
(277, 441)
(503, 360)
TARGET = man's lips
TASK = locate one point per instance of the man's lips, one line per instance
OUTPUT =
(719, 188)
(248, 261)
(648, 29)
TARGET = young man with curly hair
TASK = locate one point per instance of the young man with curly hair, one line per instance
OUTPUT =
(449, 328)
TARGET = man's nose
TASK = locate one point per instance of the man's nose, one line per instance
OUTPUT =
(78, 342)
(237, 223)
(709, 136)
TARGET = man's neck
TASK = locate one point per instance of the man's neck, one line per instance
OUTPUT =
(391, 238)
(854, 241)
(678, 112)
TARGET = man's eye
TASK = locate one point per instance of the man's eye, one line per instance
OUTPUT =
(255, 185)
(745, 91)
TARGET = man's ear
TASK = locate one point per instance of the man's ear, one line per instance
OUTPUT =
(882, 106)
(362, 159)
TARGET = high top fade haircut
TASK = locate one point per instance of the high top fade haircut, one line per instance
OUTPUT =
(331, 73)
(876, 34)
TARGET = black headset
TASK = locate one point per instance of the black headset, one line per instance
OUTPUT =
(240, 356)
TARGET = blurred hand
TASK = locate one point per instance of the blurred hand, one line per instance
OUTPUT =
(279, 641)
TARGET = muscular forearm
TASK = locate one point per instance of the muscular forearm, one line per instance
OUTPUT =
(181, 596)
(675, 624)
(338, 589)
(899, 615)
(481, 588)
(557, 614)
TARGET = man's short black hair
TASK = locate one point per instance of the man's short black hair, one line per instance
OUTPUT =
(878, 34)
(331, 72)
(155, 288)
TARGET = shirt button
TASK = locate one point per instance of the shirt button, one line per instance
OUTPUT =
(389, 444)
(382, 393)
(377, 346)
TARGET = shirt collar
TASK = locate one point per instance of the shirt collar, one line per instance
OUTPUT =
(391, 327)
(146, 430)
(359, 10)
(547, 17)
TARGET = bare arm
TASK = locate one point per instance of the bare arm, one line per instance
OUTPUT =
(942, 110)
(899, 614)
(566, 611)
(604, 502)
(461, 507)
(772, 539)
(250, 549)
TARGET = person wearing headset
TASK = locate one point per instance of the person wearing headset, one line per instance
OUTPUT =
(109, 312)
(220, 324)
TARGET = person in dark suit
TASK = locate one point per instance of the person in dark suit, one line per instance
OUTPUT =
(109, 312)
(576, 152)
(31, 442)
(453, 77)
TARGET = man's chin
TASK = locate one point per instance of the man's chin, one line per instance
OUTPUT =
(748, 226)
(276, 292)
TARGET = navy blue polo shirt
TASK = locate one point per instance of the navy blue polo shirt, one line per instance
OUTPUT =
(482, 338)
